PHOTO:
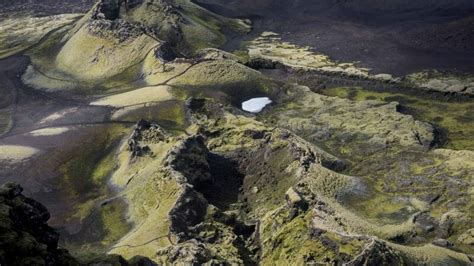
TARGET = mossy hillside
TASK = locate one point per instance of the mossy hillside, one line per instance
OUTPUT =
(363, 127)
(170, 114)
(20, 32)
(83, 163)
(196, 33)
(207, 29)
(433, 182)
(267, 186)
(44, 73)
(85, 174)
(187, 26)
(93, 52)
(224, 79)
(213, 75)
(432, 255)
(454, 118)
(90, 58)
(215, 242)
(330, 216)
(426, 175)
(408, 165)
(286, 241)
(348, 221)
(270, 159)
(150, 194)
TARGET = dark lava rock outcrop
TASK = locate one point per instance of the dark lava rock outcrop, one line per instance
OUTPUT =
(25, 237)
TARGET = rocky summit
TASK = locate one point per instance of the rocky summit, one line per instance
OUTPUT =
(210, 132)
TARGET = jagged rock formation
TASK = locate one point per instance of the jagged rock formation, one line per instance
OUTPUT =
(236, 191)
(25, 235)
(144, 131)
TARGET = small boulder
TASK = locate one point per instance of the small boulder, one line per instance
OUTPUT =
(469, 90)
(442, 243)
(435, 84)
(455, 88)
(142, 124)
(384, 77)
(294, 200)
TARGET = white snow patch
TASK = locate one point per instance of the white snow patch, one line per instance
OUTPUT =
(256, 105)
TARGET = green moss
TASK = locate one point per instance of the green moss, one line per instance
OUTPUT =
(456, 119)
(114, 223)
(104, 168)
(5, 121)
(79, 170)
(86, 171)
(243, 55)
(288, 242)
(349, 246)
(169, 114)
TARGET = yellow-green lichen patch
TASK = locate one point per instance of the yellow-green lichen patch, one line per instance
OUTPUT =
(169, 114)
(104, 168)
(114, 222)
(270, 46)
(287, 241)
(383, 208)
(455, 119)
(434, 80)
(232, 129)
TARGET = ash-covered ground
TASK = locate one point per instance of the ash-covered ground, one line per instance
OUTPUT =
(396, 37)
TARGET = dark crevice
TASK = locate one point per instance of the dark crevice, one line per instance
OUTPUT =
(224, 189)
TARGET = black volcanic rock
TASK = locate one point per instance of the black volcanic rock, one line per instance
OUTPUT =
(25, 237)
